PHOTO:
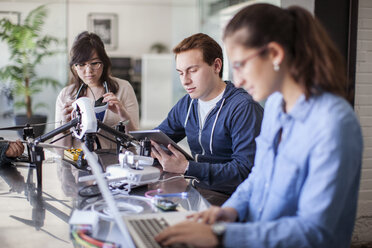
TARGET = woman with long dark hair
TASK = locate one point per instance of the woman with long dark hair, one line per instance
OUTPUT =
(91, 77)
(303, 189)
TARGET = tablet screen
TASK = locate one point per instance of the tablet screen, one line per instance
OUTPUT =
(161, 138)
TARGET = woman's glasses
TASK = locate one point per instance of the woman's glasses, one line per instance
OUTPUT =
(93, 66)
(237, 66)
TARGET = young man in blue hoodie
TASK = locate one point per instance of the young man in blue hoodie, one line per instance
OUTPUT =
(220, 121)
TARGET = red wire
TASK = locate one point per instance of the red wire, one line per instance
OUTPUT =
(89, 239)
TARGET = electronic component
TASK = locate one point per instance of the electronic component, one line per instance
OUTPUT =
(72, 154)
(160, 201)
(132, 160)
(89, 191)
(86, 221)
(84, 229)
(145, 147)
(165, 205)
(145, 175)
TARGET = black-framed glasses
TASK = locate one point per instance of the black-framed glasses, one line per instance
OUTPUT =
(240, 64)
(94, 66)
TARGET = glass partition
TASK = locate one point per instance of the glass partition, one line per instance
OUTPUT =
(215, 14)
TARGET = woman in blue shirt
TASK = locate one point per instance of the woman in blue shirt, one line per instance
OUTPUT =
(304, 187)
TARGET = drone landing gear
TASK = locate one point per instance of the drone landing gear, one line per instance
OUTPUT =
(89, 139)
(28, 133)
(37, 157)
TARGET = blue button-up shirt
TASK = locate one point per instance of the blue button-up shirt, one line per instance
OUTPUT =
(303, 190)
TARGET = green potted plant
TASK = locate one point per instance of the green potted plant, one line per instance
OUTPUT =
(27, 47)
(158, 47)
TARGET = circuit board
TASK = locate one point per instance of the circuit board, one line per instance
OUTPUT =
(72, 154)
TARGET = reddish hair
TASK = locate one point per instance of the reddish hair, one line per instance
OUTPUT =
(208, 46)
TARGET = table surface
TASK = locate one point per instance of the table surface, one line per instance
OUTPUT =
(32, 217)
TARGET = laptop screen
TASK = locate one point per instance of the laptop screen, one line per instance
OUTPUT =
(107, 196)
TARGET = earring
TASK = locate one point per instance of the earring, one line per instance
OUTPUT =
(276, 66)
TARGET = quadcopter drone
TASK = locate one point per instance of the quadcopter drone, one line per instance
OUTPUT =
(84, 126)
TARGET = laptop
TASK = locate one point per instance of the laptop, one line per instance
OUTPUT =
(136, 230)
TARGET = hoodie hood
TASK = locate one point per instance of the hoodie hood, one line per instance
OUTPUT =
(229, 91)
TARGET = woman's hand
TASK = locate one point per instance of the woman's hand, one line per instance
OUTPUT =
(215, 214)
(66, 111)
(197, 232)
(115, 105)
(118, 108)
(188, 232)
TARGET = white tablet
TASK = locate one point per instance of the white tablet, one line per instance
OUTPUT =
(161, 138)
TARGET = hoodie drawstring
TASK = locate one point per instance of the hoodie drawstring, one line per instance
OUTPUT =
(188, 113)
(214, 125)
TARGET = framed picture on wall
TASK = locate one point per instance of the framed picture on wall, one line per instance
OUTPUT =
(13, 16)
(105, 25)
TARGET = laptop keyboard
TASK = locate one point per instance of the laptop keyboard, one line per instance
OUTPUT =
(148, 228)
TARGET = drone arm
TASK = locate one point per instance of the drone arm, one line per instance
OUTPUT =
(61, 137)
(123, 136)
(58, 130)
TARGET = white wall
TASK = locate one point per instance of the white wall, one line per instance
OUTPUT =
(185, 22)
(363, 108)
(156, 89)
(141, 23)
(136, 24)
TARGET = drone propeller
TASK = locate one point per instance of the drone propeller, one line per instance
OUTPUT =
(22, 126)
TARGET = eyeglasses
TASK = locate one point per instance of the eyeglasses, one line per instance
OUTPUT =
(93, 66)
(240, 64)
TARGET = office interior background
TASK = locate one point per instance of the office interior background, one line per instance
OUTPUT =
(139, 37)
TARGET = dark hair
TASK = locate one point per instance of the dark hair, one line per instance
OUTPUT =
(313, 59)
(208, 46)
(84, 46)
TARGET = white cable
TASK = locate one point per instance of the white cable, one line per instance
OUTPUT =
(171, 178)
(181, 176)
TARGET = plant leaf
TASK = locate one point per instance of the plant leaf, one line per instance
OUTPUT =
(40, 105)
(35, 19)
(47, 81)
(11, 73)
(19, 104)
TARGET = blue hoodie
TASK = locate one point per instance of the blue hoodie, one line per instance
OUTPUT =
(224, 149)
